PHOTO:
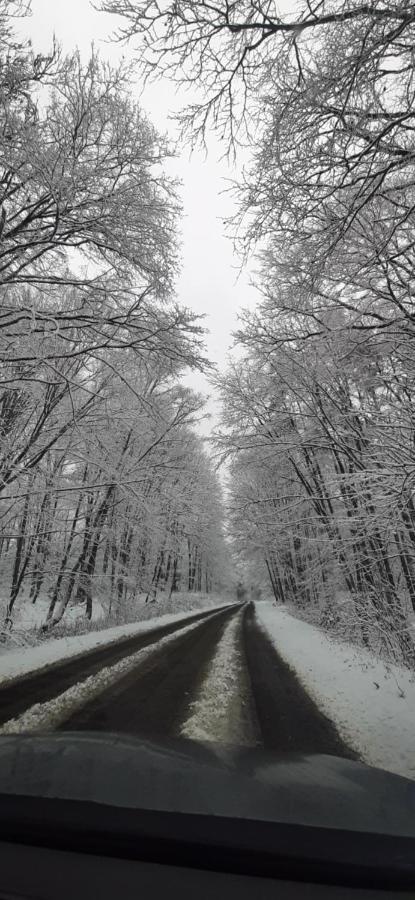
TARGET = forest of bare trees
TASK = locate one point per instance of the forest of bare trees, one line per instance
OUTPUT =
(318, 405)
(106, 490)
(106, 487)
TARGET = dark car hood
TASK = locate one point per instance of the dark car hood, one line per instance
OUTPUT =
(187, 777)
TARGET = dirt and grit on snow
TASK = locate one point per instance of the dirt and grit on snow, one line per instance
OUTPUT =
(371, 703)
(222, 711)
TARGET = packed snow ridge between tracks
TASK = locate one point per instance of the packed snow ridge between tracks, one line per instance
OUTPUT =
(221, 711)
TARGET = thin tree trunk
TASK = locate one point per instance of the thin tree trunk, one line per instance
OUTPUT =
(18, 567)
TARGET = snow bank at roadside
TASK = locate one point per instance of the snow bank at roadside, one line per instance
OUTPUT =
(371, 703)
(17, 662)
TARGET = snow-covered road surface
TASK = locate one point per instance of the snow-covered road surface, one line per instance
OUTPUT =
(49, 715)
(215, 679)
(230, 676)
(49, 681)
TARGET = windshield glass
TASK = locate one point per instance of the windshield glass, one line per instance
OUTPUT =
(207, 414)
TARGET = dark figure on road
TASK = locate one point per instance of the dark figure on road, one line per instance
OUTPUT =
(240, 592)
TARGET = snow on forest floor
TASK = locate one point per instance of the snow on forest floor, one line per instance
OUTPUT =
(372, 703)
(15, 662)
(28, 618)
(50, 714)
(220, 711)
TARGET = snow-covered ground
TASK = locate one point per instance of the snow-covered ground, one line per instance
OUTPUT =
(28, 617)
(220, 711)
(47, 716)
(371, 703)
(17, 662)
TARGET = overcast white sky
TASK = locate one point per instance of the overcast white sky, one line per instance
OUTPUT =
(210, 282)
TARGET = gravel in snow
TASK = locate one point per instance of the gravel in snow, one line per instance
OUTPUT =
(49, 715)
(222, 710)
(371, 703)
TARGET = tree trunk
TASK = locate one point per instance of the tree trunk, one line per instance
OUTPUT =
(19, 565)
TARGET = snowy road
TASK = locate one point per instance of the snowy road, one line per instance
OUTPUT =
(213, 677)
(20, 694)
